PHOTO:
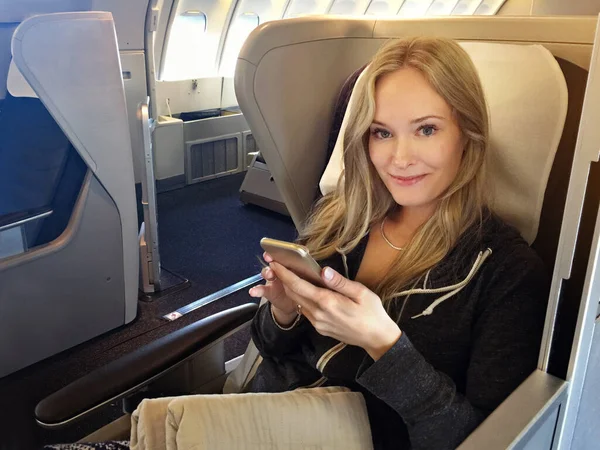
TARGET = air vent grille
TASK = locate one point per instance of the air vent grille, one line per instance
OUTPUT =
(212, 158)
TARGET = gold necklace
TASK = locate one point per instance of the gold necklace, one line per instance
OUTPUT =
(386, 239)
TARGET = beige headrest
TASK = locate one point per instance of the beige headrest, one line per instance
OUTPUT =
(527, 99)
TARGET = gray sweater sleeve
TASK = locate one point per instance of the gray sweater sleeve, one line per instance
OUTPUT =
(505, 345)
(272, 341)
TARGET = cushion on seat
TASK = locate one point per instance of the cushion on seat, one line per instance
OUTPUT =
(330, 417)
(527, 99)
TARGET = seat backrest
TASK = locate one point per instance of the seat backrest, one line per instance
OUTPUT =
(38, 165)
(277, 67)
(33, 152)
(288, 80)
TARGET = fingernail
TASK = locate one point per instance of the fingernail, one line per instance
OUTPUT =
(268, 273)
(328, 273)
(251, 291)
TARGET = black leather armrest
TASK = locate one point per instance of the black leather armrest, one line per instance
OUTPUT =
(15, 219)
(135, 370)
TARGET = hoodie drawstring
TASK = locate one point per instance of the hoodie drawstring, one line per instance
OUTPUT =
(457, 287)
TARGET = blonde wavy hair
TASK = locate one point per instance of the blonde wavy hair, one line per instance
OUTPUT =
(340, 220)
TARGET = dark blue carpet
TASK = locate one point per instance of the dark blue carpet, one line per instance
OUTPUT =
(209, 236)
(206, 235)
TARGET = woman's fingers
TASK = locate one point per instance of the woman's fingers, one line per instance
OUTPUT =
(268, 274)
(272, 290)
(296, 285)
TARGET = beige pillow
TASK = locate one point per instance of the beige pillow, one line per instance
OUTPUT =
(527, 99)
(320, 418)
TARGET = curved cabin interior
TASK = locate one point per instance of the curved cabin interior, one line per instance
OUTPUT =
(147, 146)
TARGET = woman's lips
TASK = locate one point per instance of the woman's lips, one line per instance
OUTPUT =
(407, 181)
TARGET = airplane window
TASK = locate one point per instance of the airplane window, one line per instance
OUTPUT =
(348, 7)
(384, 7)
(306, 7)
(414, 8)
(239, 31)
(489, 7)
(186, 34)
(441, 7)
(465, 7)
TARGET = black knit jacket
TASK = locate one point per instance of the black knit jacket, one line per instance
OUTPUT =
(458, 357)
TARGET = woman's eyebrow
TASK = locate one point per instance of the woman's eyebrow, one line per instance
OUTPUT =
(431, 116)
(417, 120)
(381, 124)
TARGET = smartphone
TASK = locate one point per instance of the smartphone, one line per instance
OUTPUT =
(295, 258)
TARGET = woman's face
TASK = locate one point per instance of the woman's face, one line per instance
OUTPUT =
(415, 142)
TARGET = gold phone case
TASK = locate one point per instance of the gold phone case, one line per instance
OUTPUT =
(295, 258)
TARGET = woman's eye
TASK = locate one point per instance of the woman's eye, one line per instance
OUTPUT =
(381, 134)
(427, 130)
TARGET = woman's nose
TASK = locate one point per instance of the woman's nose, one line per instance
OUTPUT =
(403, 155)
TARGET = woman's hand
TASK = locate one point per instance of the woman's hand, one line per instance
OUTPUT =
(347, 311)
(283, 308)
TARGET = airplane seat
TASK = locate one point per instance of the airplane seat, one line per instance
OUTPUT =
(546, 238)
(39, 169)
(519, 168)
(535, 125)
(530, 153)
(68, 195)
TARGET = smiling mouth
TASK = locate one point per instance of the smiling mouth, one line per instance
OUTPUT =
(414, 177)
(407, 181)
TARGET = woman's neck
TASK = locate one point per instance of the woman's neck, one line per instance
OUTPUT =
(406, 220)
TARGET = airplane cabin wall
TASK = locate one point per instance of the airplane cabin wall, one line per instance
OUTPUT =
(130, 22)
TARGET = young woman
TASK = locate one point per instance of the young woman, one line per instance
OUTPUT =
(434, 307)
